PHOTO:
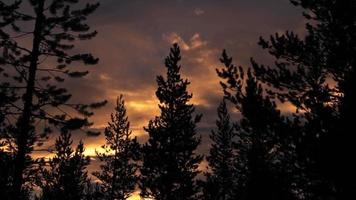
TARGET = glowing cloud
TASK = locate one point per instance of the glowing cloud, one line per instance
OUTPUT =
(194, 42)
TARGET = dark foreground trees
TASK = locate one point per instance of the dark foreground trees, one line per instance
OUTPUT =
(36, 46)
(169, 159)
(6, 158)
(262, 135)
(316, 73)
(65, 176)
(118, 175)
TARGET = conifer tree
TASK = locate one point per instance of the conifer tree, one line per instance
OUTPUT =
(119, 162)
(221, 182)
(37, 40)
(66, 176)
(305, 70)
(262, 136)
(170, 163)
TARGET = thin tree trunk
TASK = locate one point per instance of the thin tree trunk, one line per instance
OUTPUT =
(23, 134)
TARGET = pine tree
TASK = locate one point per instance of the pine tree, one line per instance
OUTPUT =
(66, 176)
(118, 172)
(304, 68)
(262, 136)
(221, 182)
(32, 35)
(169, 159)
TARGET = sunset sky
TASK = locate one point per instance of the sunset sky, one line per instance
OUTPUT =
(80, 118)
(135, 36)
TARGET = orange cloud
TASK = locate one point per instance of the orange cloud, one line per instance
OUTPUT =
(194, 42)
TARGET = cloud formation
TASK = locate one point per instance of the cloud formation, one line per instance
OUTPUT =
(135, 36)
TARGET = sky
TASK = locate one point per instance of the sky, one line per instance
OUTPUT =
(135, 37)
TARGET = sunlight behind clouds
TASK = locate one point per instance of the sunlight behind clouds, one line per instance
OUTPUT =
(193, 43)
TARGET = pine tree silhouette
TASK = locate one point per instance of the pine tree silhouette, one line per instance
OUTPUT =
(303, 71)
(66, 176)
(169, 160)
(222, 181)
(55, 25)
(261, 133)
(118, 172)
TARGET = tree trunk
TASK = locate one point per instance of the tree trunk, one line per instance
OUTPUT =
(23, 134)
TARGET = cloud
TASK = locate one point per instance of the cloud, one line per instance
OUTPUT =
(175, 38)
(195, 41)
(199, 11)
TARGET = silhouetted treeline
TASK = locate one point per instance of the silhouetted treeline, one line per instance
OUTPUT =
(264, 154)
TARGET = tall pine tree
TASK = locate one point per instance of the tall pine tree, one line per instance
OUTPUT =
(221, 182)
(262, 133)
(170, 163)
(118, 171)
(37, 40)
